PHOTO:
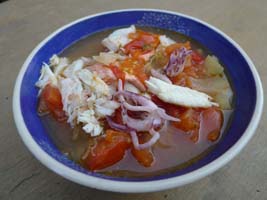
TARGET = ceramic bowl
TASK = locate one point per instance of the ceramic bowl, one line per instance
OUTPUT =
(248, 101)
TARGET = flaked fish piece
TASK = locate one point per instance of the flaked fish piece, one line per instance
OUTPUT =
(118, 38)
(178, 95)
(58, 64)
(47, 76)
(108, 58)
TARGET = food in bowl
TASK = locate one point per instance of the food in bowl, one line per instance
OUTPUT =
(135, 102)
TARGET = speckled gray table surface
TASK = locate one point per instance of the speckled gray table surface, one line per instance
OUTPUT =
(23, 24)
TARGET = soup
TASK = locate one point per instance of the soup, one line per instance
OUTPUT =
(135, 102)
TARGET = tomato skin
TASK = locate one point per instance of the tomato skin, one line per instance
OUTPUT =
(191, 119)
(189, 122)
(181, 79)
(134, 67)
(212, 121)
(51, 97)
(134, 45)
(108, 150)
(144, 157)
(197, 58)
(117, 116)
(118, 72)
(142, 43)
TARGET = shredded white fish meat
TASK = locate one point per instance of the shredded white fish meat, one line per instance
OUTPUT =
(108, 58)
(118, 38)
(178, 95)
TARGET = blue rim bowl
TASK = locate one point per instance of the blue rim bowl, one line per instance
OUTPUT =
(245, 80)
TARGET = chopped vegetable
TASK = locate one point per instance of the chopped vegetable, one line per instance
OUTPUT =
(211, 123)
(144, 156)
(108, 150)
(51, 98)
(197, 59)
(213, 66)
(159, 60)
(108, 58)
(217, 87)
(141, 44)
(177, 61)
(176, 46)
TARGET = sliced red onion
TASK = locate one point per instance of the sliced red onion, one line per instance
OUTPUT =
(118, 127)
(157, 122)
(134, 139)
(160, 76)
(137, 108)
(151, 142)
(165, 116)
(177, 61)
(145, 103)
(140, 124)
(120, 85)
(154, 118)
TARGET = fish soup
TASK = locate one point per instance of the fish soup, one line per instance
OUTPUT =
(135, 102)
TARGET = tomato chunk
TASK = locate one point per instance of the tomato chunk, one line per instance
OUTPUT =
(181, 79)
(108, 150)
(144, 157)
(142, 43)
(134, 67)
(197, 58)
(51, 98)
(118, 72)
(211, 122)
(190, 123)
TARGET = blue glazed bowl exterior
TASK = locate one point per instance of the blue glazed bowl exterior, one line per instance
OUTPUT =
(237, 65)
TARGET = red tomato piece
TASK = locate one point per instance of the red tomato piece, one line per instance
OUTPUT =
(134, 45)
(145, 157)
(197, 58)
(142, 43)
(108, 150)
(118, 72)
(189, 120)
(52, 98)
(117, 116)
(135, 68)
(211, 122)
(181, 79)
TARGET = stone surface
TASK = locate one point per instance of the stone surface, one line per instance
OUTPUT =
(23, 24)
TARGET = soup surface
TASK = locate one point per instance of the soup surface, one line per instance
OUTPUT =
(135, 64)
